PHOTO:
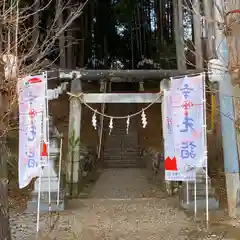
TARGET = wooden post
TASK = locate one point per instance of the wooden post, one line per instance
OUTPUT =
(75, 116)
(179, 34)
(197, 34)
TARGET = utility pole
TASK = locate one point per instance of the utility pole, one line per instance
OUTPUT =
(222, 75)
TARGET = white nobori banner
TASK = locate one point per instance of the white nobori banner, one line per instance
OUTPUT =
(172, 172)
(32, 128)
(188, 123)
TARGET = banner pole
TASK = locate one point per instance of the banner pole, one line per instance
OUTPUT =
(205, 147)
(59, 171)
(39, 198)
(187, 193)
(195, 197)
(207, 210)
(46, 139)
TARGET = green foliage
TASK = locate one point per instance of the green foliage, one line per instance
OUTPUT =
(124, 11)
(73, 143)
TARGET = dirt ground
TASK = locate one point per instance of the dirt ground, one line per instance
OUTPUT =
(122, 205)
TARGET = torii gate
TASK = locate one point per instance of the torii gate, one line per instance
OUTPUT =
(75, 115)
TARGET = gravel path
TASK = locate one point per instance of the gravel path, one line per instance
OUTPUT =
(123, 205)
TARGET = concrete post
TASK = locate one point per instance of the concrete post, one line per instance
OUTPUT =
(236, 101)
(75, 115)
(221, 75)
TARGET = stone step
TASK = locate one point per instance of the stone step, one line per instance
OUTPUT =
(109, 158)
(116, 148)
(120, 129)
(121, 146)
(113, 145)
(117, 140)
(200, 194)
(121, 165)
(126, 159)
(123, 159)
(132, 142)
(120, 161)
(120, 150)
(122, 155)
(213, 204)
(120, 138)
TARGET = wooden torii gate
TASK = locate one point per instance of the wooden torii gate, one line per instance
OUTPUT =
(78, 77)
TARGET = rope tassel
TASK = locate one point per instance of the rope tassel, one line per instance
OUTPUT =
(94, 121)
(110, 126)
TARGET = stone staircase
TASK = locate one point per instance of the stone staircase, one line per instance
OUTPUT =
(121, 150)
(200, 194)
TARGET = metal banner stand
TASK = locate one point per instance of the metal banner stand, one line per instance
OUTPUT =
(205, 147)
(195, 197)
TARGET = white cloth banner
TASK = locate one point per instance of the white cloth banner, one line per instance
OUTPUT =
(32, 107)
(172, 172)
(188, 123)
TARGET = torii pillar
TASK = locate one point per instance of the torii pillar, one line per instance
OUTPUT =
(75, 116)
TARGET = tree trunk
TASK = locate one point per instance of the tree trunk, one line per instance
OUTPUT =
(70, 44)
(59, 12)
(5, 233)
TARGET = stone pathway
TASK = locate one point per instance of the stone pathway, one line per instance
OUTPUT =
(124, 183)
(123, 205)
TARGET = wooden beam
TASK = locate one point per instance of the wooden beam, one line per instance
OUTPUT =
(126, 75)
(121, 97)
